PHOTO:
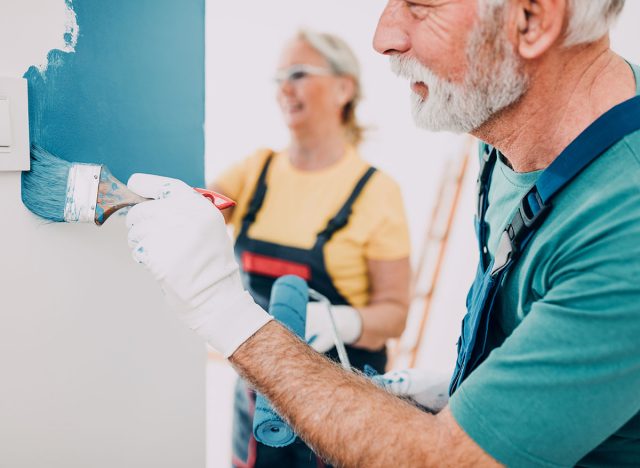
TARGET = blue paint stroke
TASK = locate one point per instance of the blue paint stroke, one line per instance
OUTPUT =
(44, 188)
(132, 94)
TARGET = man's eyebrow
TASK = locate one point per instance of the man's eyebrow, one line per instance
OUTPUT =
(424, 2)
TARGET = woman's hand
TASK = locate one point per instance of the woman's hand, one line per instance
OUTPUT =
(319, 330)
(428, 389)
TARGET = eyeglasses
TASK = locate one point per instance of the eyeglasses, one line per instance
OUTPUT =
(299, 72)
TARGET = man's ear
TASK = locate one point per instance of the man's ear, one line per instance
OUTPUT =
(539, 24)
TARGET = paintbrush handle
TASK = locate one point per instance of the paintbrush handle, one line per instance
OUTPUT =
(113, 195)
(220, 201)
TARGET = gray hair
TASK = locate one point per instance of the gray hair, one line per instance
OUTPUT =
(343, 62)
(589, 20)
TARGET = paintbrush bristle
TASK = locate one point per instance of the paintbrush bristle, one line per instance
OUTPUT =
(44, 187)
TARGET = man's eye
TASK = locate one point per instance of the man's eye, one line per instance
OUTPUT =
(297, 75)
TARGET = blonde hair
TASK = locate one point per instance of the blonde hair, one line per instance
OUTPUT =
(343, 62)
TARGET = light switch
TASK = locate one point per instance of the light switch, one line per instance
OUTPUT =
(5, 125)
(14, 124)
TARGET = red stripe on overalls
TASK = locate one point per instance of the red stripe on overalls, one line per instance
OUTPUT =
(273, 267)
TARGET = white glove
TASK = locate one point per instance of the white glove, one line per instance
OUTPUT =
(182, 240)
(318, 332)
(428, 389)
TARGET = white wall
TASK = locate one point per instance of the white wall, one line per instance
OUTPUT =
(243, 42)
(94, 370)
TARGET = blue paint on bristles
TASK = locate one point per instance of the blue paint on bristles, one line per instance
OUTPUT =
(44, 187)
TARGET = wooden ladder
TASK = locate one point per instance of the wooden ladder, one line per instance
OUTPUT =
(404, 352)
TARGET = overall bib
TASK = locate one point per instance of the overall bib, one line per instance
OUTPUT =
(476, 338)
(261, 264)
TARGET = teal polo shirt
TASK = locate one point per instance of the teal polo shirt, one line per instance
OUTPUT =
(564, 387)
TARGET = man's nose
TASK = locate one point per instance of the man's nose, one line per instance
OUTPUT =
(391, 37)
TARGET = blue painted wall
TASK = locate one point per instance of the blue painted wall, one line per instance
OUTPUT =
(132, 94)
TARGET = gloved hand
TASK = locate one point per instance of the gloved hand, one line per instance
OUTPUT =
(428, 389)
(318, 332)
(182, 239)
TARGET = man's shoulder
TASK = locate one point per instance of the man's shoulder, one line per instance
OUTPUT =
(616, 171)
(597, 216)
(630, 145)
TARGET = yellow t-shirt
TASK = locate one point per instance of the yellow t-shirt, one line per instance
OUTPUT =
(299, 204)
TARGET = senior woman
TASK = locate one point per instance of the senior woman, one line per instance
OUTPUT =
(316, 209)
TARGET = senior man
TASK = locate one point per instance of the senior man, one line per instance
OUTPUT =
(548, 372)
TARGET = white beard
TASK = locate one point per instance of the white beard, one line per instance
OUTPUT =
(492, 82)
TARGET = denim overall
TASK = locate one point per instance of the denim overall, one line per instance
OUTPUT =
(262, 263)
(476, 340)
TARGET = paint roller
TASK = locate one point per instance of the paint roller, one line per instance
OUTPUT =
(288, 305)
(62, 191)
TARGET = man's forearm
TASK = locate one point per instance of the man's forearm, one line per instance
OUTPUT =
(343, 416)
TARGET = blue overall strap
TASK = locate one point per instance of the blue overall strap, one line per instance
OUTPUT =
(487, 163)
(601, 135)
(341, 219)
(259, 193)
(614, 125)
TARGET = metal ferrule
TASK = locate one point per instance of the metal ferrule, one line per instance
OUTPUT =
(82, 193)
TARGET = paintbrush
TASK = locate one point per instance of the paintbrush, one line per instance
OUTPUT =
(62, 191)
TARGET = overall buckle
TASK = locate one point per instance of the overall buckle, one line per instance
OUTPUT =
(503, 255)
(531, 211)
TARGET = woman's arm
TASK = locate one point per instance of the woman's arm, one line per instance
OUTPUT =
(385, 315)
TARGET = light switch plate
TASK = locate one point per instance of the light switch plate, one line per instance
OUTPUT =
(14, 124)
